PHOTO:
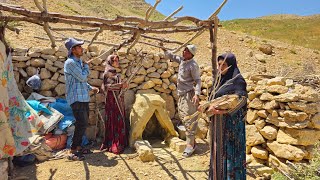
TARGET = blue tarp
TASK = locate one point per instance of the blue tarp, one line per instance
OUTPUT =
(37, 106)
(63, 107)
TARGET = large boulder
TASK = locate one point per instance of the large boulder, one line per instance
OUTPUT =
(144, 151)
(266, 49)
(144, 107)
(169, 104)
(129, 98)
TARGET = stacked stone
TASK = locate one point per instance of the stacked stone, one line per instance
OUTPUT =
(283, 123)
(50, 62)
(156, 75)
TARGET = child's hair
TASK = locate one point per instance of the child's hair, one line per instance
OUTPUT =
(112, 58)
(113, 71)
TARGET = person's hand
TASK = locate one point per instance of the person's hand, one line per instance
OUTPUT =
(88, 62)
(95, 90)
(201, 108)
(124, 85)
(212, 110)
(195, 100)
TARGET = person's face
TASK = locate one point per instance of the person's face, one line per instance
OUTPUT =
(77, 51)
(223, 67)
(110, 74)
(115, 62)
(187, 54)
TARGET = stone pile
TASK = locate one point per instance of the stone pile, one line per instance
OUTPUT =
(283, 123)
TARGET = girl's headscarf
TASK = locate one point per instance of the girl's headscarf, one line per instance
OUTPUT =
(109, 62)
(109, 69)
(235, 82)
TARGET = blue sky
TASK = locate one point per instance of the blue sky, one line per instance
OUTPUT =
(236, 9)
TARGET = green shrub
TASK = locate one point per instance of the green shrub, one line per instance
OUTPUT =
(311, 170)
(303, 171)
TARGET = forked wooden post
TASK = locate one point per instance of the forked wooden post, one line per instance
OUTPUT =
(215, 124)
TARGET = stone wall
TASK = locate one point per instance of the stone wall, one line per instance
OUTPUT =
(283, 123)
(283, 120)
(156, 75)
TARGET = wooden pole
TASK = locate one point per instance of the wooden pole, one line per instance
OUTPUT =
(215, 124)
(2, 35)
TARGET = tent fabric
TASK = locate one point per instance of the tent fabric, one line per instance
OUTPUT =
(7, 145)
(24, 123)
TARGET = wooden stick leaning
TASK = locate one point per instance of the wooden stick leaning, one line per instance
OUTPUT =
(213, 16)
(138, 66)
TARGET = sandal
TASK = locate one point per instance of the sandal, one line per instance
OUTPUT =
(86, 151)
(77, 156)
(188, 151)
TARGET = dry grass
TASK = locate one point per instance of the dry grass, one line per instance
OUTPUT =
(297, 30)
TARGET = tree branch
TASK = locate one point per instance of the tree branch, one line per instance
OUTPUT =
(154, 45)
(172, 14)
(95, 36)
(149, 13)
(200, 32)
(87, 41)
(36, 2)
(161, 39)
(81, 31)
(118, 19)
(94, 24)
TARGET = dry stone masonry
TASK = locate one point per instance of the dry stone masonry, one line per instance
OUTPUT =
(283, 120)
(282, 123)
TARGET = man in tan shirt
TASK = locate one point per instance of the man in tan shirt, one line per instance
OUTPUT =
(189, 88)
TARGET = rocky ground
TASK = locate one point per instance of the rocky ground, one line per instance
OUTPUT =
(169, 164)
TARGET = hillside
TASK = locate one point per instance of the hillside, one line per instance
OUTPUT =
(288, 35)
(100, 8)
(298, 30)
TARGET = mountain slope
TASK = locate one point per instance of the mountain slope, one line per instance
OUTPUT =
(287, 59)
(101, 8)
(298, 30)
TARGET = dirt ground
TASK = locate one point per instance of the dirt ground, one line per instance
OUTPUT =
(169, 164)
